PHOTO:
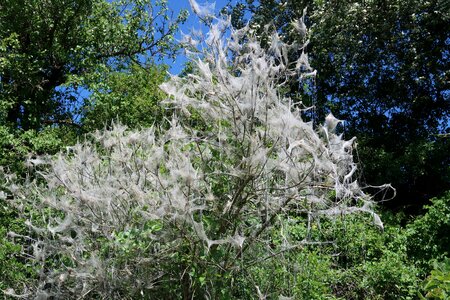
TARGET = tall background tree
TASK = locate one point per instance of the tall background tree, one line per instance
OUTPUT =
(383, 67)
(65, 43)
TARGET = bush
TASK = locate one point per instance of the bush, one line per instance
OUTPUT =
(367, 263)
(428, 238)
(14, 270)
(437, 284)
(15, 146)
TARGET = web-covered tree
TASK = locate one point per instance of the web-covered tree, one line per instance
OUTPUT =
(181, 212)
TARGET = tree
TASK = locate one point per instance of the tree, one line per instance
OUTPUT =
(383, 68)
(130, 97)
(181, 211)
(54, 46)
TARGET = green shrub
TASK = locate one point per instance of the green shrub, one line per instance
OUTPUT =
(14, 271)
(437, 284)
(428, 237)
(349, 258)
(374, 264)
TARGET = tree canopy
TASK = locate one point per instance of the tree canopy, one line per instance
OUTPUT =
(51, 48)
(383, 67)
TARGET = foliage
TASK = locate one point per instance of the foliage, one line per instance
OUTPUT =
(437, 285)
(56, 45)
(182, 211)
(383, 68)
(357, 262)
(300, 274)
(14, 271)
(373, 265)
(131, 98)
(16, 146)
(428, 237)
(236, 197)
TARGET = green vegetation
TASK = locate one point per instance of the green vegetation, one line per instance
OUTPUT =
(131, 98)
(437, 285)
